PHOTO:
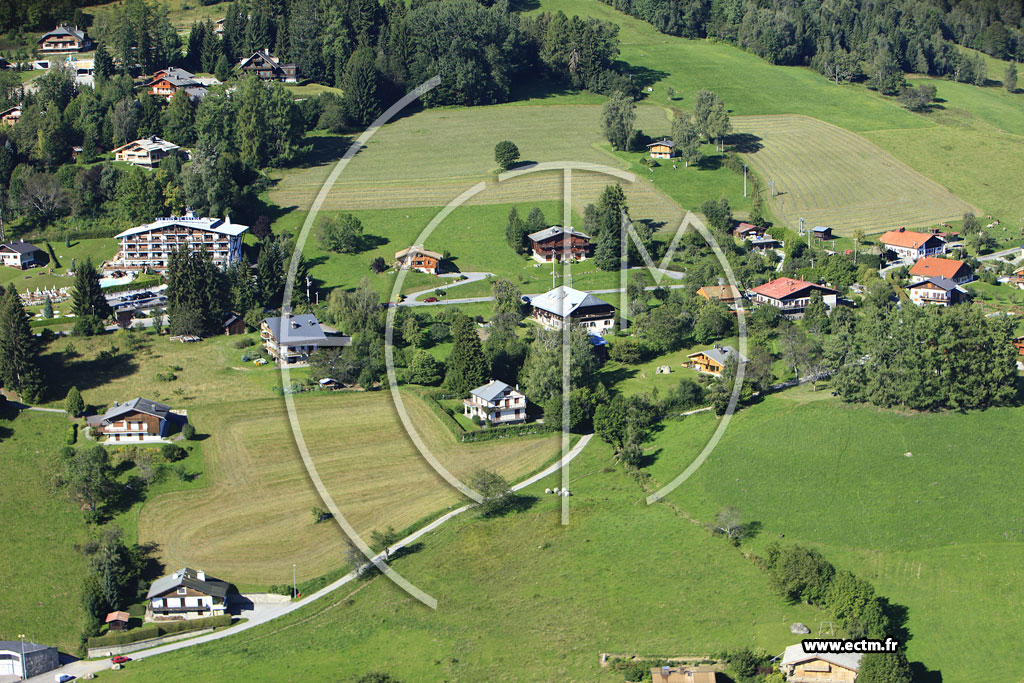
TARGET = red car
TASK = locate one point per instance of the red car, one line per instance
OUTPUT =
(120, 659)
(430, 300)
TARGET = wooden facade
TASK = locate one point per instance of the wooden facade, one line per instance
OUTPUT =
(268, 67)
(419, 259)
(936, 290)
(9, 117)
(64, 39)
(559, 244)
(662, 149)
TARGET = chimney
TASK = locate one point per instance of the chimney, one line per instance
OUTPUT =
(200, 575)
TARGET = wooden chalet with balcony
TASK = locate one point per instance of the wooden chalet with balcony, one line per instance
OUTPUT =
(747, 231)
(9, 117)
(420, 259)
(792, 296)
(565, 305)
(727, 294)
(937, 290)
(683, 674)
(64, 39)
(186, 594)
(149, 247)
(496, 403)
(169, 82)
(712, 361)
(268, 67)
(803, 667)
(137, 420)
(559, 244)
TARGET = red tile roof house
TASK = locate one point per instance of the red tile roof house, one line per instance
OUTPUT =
(910, 245)
(931, 266)
(496, 403)
(138, 420)
(792, 296)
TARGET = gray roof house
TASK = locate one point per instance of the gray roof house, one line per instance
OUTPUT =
(137, 420)
(712, 361)
(290, 340)
(38, 659)
(565, 304)
(555, 231)
(186, 594)
(496, 403)
(20, 254)
(804, 667)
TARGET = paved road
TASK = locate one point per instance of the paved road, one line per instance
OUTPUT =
(470, 277)
(1016, 252)
(261, 614)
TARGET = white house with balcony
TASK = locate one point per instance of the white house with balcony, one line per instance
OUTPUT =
(186, 594)
(290, 340)
(496, 403)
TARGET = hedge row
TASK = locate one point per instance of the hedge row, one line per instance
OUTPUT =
(156, 630)
(450, 422)
(487, 434)
(72, 434)
(140, 282)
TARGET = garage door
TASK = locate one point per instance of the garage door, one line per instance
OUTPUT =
(7, 665)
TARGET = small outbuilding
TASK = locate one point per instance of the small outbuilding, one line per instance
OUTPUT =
(822, 233)
(662, 149)
(234, 324)
(118, 621)
(712, 361)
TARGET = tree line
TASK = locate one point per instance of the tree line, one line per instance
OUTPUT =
(853, 39)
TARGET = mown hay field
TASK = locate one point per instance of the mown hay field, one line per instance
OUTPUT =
(833, 177)
(254, 519)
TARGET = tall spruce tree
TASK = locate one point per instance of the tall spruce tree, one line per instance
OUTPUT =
(609, 210)
(19, 368)
(361, 84)
(196, 290)
(467, 367)
(516, 231)
(87, 300)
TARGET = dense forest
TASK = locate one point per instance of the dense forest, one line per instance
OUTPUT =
(850, 38)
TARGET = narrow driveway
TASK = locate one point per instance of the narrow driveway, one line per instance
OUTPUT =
(470, 277)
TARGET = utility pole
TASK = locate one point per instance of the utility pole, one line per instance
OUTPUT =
(24, 673)
(294, 584)
(553, 259)
(854, 251)
(744, 180)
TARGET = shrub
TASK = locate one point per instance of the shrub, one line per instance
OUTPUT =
(744, 662)
(172, 452)
(188, 431)
(244, 343)
(166, 376)
(477, 421)
(72, 434)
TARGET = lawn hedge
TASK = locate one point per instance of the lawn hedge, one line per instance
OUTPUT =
(156, 630)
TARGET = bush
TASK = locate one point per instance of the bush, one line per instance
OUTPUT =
(166, 376)
(245, 342)
(172, 452)
(744, 662)
(477, 421)
(72, 434)
(188, 431)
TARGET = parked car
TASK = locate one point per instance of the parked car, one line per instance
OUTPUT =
(120, 659)
(430, 300)
(63, 678)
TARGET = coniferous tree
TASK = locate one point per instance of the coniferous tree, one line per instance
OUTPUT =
(466, 367)
(87, 300)
(1010, 77)
(19, 369)
(610, 208)
(361, 84)
(516, 231)
(73, 403)
(196, 292)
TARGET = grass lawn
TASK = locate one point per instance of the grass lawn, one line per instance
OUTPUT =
(41, 572)
(935, 531)
(1000, 296)
(306, 90)
(524, 598)
(642, 378)
(253, 519)
(98, 250)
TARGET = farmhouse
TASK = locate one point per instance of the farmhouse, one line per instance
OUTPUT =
(496, 403)
(669, 674)
(150, 246)
(822, 233)
(792, 296)
(418, 258)
(712, 361)
(291, 341)
(9, 117)
(932, 266)
(1017, 278)
(936, 290)
(747, 231)
(20, 254)
(558, 243)
(907, 244)
(268, 67)
(662, 149)
(1018, 343)
(64, 38)
(26, 659)
(186, 594)
(564, 304)
(168, 82)
(137, 420)
(802, 667)
(146, 151)
(117, 621)
(727, 294)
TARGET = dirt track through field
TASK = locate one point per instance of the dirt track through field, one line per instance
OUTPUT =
(833, 177)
